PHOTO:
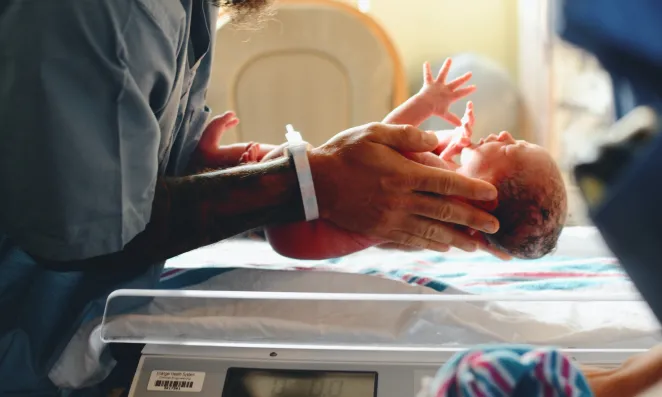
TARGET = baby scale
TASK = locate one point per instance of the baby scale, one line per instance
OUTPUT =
(238, 344)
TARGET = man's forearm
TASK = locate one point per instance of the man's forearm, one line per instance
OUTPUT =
(414, 111)
(198, 210)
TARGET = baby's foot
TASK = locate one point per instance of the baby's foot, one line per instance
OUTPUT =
(251, 154)
(211, 137)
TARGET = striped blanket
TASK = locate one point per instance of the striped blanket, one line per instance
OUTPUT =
(580, 265)
(472, 273)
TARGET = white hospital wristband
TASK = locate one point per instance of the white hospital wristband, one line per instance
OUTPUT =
(297, 149)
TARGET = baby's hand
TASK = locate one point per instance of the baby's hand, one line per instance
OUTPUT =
(440, 95)
(462, 139)
(468, 120)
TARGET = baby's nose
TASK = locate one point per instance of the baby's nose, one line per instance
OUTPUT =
(505, 136)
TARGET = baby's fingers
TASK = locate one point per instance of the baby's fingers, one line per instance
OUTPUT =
(427, 73)
(462, 92)
(459, 81)
(453, 119)
(445, 68)
(469, 117)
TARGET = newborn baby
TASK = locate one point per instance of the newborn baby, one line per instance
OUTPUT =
(532, 202)
(531, 206)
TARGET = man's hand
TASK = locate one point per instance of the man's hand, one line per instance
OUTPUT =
(439, 95)
(365, 185)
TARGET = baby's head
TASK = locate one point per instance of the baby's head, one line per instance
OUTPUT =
(532, 202)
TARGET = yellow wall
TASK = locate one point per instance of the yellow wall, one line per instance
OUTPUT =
(432, 29)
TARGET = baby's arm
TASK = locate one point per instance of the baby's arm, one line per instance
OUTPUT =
(433, 99)
(461, 136)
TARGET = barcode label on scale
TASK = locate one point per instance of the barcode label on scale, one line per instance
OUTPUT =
(177, 381)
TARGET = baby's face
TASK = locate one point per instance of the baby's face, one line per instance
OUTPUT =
(494, 157)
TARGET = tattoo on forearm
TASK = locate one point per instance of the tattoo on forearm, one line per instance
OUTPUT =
(226, 203)
(198, 210)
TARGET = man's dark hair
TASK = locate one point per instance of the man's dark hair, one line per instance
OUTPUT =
(531, 215)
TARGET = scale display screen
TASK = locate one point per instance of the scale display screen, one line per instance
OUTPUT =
(250, 382)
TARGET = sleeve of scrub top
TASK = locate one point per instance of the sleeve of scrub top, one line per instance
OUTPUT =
(79, 139)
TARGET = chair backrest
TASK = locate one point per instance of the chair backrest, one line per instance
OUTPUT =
(320, 65)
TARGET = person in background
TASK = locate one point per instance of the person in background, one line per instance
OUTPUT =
(102, 106)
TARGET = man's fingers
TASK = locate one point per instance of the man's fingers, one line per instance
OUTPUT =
(462, 92)
(459, 81)
(438, 232)
(427, 158)
(501, 255)
(400, 247)
(484, 245)
(453, 211)
(445, 68)
(411, 240)
(452, 150)
(453, 119)
(403, 138)
(449, 183)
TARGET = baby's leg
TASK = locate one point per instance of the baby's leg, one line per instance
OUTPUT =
(318, 239)
(216, 156)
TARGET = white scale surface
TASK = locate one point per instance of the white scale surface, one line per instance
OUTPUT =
(184, 355)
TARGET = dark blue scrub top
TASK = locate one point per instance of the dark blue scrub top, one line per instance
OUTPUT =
(97, 99)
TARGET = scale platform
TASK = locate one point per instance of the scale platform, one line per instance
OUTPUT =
(280, 344)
